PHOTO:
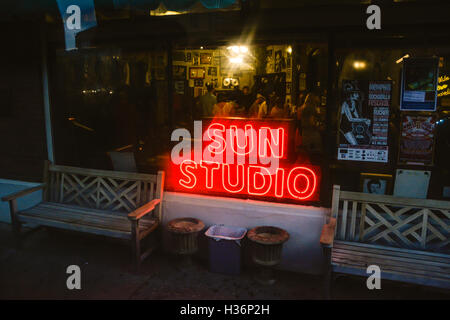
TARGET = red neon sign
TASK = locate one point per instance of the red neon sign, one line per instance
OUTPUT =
(243, 159)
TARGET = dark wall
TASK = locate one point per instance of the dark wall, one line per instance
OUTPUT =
(22, 124)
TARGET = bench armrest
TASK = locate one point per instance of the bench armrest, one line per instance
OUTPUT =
(22, 193)
(142, 211)
(327, 236)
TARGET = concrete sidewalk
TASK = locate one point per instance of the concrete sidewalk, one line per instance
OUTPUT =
(38, 271)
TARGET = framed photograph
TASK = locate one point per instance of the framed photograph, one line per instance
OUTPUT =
(178, 56)
(212, 71)
(160, 73)
(197, 73)
(416, 143)
(289, 75)
(205, 58)
(364, 121)
(198, 83)
(160, 61)
(288, 87)
(419, 84)
(446, 192)
(179, 72)
(375, 183)
(198, 92)
(179, 87)
(280, 62)
(188, 57)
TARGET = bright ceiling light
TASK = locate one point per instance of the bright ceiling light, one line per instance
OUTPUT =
(243, 49)
(359, 65)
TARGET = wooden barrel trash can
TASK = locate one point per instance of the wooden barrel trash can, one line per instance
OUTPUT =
(267, 243)
(184, 235)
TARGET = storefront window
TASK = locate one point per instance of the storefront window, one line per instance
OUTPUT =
(406, 150)
(131, 100)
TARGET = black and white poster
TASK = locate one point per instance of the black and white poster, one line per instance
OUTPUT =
(364, 121)
(419, 84)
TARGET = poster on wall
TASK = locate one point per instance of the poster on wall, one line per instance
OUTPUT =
(417, 139)
(364, 121)
(412, 183)
(419, 84)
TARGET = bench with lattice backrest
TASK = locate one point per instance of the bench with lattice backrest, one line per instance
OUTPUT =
(407, 238)
(122, 205)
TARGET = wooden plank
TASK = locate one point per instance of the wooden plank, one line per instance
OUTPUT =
(398, 225)
(362, 222)
(390, 228)
(391, 268)
(151, 195)
(138, 194)
(104, 173)
(409, 260)
(345, 259)
(327, 235)
(397, 201)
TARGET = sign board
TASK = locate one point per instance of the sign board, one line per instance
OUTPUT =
(364, 121)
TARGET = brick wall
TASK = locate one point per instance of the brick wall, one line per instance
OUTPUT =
(22, 132)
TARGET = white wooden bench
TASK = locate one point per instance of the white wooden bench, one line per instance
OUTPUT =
(407, 238)
(106, 203)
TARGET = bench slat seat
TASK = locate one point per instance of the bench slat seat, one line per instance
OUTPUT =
(408, 239)
(71, 217)
(354, 258)
(120, 205)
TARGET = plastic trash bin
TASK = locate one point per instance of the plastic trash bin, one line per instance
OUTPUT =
(225, 248)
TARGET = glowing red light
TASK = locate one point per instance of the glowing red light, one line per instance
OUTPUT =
(255, 179)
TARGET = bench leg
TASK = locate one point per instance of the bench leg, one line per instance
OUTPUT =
(135, 245)
(327, 275)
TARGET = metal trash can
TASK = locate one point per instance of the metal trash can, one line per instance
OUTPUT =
(225, 248)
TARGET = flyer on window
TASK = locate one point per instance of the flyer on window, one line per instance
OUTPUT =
(417, 139)
(419, 84)
(364, 121)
